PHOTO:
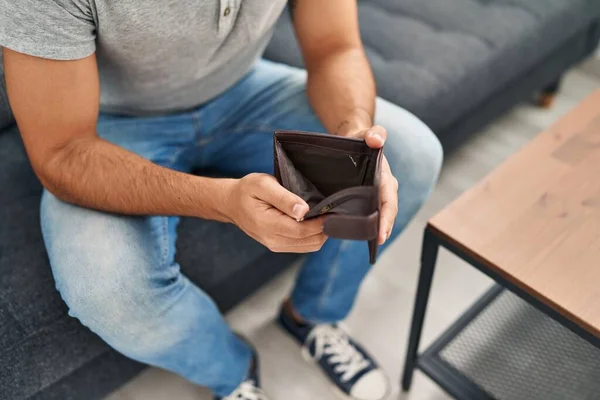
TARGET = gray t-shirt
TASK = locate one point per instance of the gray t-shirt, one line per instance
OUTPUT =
(154, 56)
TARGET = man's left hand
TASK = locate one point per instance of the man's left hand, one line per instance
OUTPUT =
(375, 138)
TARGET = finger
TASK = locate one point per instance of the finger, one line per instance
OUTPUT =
(389, 207)
(388, 213)
(314, 240)
(376, 137)
(389, 232)
(360, 134)
(386, 171)
(298, 230)
(270, 191)
(306, 245)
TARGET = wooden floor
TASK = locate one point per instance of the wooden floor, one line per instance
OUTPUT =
(381, 317)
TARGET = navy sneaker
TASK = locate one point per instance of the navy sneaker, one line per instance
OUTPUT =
(249, 389)
(348, 366)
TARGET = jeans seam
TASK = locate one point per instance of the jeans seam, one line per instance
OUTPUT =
(330, 279)
(243, 129)
(173, 160)
(165, 240)
(196, 125)
(164, 252)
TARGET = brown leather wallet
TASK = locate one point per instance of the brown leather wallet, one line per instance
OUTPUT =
(337, 176)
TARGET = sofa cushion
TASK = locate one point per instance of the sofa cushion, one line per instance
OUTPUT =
(5, 113)
(39, 342)
(441, 58)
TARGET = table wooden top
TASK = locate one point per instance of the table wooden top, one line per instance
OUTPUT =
(536, 218)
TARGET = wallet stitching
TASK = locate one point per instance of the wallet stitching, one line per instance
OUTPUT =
(320, 136)
(349, 152)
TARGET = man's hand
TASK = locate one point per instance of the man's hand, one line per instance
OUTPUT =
(269, 213)
(375, 138)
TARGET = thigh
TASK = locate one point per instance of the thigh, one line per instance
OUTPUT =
(97, 255)
(105, 263)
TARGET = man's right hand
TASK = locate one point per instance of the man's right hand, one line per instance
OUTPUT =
(270, 214)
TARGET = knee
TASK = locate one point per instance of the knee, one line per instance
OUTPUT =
(414, 152)
(416, 183)
(110, 278)
(426, 162)
(126, 311)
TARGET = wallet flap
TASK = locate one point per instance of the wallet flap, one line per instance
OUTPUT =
(351, 227)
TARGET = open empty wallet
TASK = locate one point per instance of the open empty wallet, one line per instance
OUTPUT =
(337, 176)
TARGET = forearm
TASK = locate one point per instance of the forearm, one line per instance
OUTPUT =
(94, 173)
(342, 90)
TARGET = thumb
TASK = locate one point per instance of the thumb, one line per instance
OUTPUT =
(279, 197)
(376, 136)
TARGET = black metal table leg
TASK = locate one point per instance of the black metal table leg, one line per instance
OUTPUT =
(428, 259)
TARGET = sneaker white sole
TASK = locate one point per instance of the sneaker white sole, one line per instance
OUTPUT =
(336, 390)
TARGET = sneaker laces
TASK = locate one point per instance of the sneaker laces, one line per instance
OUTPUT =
(334, 343)
(247, 391)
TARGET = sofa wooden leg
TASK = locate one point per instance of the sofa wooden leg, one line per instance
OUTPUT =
(547, 96)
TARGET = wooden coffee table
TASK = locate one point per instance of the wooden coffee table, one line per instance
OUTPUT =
(532, 225)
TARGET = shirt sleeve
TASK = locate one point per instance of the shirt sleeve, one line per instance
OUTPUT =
(52, 29)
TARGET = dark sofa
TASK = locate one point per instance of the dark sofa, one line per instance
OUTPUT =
(455, 63)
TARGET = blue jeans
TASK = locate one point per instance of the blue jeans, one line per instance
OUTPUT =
(118, 274)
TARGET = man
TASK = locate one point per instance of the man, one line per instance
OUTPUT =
(118, 101)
